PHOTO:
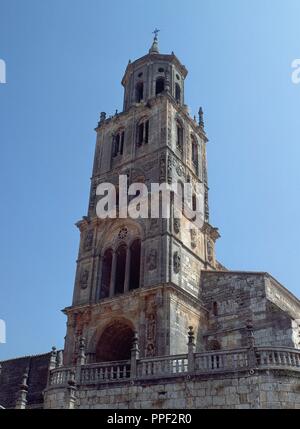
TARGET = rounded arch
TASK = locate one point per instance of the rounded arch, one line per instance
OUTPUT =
(135, 264)
(110, 236)
(177, 92)
(120, 272)
(159, 85)
(139, 91)
(114, 341)
(106, 273)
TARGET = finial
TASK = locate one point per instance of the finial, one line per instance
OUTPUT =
(102, 118)
(201, 120)
(154, 47)
(23, 384)
(191, 335)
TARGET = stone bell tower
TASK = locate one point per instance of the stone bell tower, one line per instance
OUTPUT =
(143, 275)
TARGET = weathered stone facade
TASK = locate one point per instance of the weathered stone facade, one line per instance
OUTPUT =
(142, 284)
(269, 389)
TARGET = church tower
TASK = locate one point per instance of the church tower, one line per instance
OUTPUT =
(143, 275)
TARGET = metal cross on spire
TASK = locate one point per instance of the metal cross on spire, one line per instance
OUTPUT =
(155, 32)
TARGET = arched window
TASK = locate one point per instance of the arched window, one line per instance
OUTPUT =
(106, 273)
(118, 143)
(179, 136)
(195, 152)
(120, 269)
(143, 132)
(139, 92)
(194, 203)
(135, 262)
(177, 92)
(159, 85)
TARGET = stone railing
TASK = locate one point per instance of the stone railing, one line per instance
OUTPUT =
(162, 366)
(172, 366)
(277, 357)
(103, 372)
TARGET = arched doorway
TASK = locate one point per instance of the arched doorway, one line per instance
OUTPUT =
(115, 342)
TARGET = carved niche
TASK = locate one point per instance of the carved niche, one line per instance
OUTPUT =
(169, 170)
(151, 310)
(88, 241)
(152, 260)
(193, 238)
(84, 277)
(176, 225)
(176, 262)
(162, 168)
(210, 251)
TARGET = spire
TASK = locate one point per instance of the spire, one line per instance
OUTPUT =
(201, 120)
(154, 47)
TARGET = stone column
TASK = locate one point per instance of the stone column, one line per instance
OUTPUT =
(127, 270)
(135, 354)
(59, 359)
(113, 275)
(98, 278)
(71, 392)
(251, 347)
(52, 362)
(191, 350)
(81, 356)
(22, 394)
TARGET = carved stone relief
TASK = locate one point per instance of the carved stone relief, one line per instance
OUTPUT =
(152, 260)
(88, 242)
(176, 262)
(84, 277)
(169, 170)
(150, 327)
(210, 251)
(176, 225)
(193, 238)
(162, 168)
(123, 233)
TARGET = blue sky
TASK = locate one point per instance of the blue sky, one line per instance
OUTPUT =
(65, 60)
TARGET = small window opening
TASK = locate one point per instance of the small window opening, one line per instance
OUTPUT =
(160, 85)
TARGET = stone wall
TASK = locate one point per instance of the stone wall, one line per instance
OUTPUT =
(264, 389)
(237, 299)
(11, 375)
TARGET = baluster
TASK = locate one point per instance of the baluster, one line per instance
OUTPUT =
(207, 361)
(225, 364)
(213, 361)
(284, 358)
(278, 358)
(289, 359)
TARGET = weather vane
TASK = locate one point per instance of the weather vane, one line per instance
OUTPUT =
(156, 31)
